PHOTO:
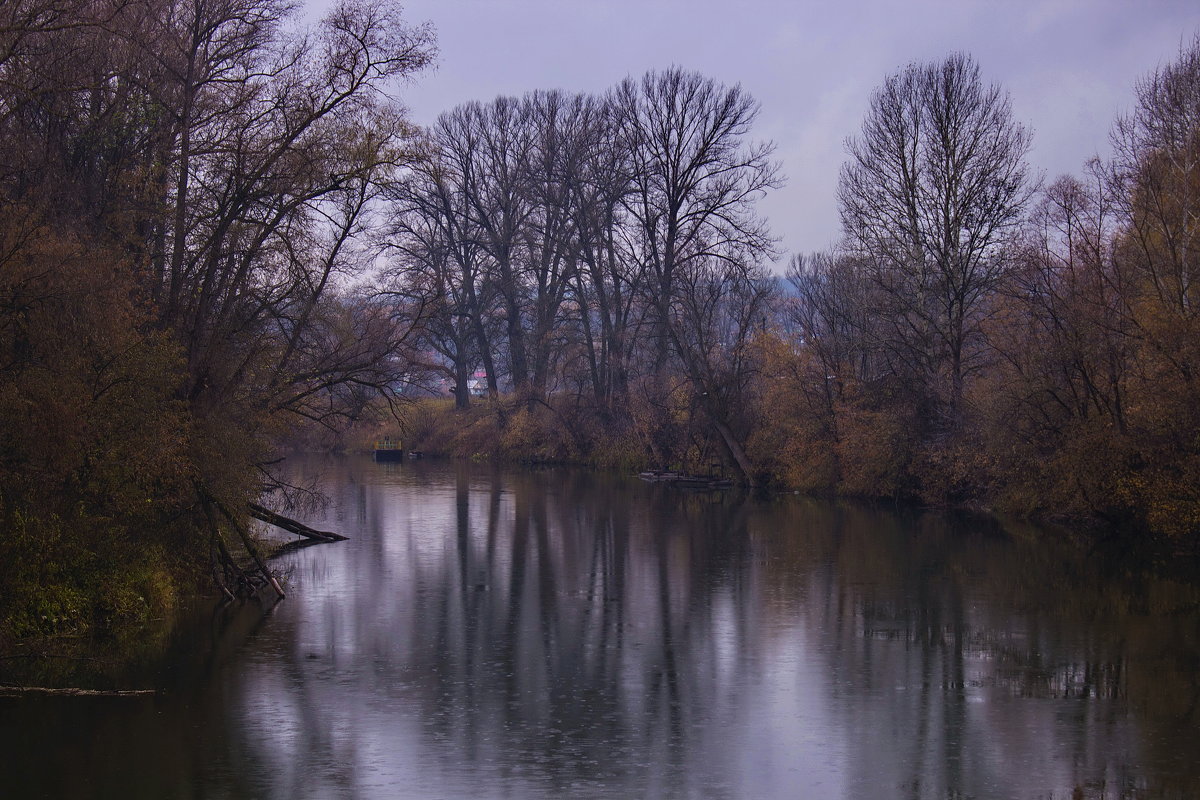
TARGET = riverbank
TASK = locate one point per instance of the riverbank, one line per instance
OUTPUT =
(959, 474)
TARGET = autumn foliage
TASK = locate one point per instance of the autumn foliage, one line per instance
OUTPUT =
(1080, 400)
(183, 192)
(986, 340)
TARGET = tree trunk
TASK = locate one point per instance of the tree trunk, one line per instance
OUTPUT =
(292, 526)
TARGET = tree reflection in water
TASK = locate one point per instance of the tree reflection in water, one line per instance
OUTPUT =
(540, 633)
(492, 633)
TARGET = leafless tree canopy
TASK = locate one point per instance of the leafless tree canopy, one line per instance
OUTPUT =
(580, 244)
(930, 198)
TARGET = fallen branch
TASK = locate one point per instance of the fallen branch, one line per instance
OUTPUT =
(292, 547)
(292, 526)
(248, 543)
(20, 691)
(219, 557)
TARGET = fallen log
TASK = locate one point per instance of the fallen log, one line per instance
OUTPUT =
(293, 546)
(248, 543)
(21, 691)
(292, 526)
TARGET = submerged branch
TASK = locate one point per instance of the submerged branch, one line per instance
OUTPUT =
(292, 526)
(248, 543)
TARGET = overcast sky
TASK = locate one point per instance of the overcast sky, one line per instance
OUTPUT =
(1069, 66)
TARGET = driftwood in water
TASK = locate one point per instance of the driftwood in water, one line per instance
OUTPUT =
(292, 526)
(683, 480)
(248, 543)
(291, 547)
(233, 579)
(22, 691)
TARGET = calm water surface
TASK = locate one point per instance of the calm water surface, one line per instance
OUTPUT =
(507, 634)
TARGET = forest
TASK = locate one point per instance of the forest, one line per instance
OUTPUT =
(222, 236)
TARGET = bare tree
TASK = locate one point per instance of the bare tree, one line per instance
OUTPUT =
(719, 308)
(267, 149)
(930, 199)
(513, 178)
(1155, 173)
(608, 285)
(830, 315)
(1069, 346)
(695, 183)
(564, 131)
(486, 149)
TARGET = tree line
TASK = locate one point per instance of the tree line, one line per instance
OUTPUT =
(600, 252)
(980, 335)
(986, 337)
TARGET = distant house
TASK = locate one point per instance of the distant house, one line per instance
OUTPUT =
(477, 384)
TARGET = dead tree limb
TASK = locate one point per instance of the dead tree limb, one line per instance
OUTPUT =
(21, 691)
(219, 556)
(291, 525)
(251, 549)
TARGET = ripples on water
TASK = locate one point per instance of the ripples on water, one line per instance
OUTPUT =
(506, 634)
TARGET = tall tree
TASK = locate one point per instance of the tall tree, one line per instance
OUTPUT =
(437, 259)
(279, 147)
(563, 130)
(931, 197)
(695, 184)
(487, 147)
(609, 281)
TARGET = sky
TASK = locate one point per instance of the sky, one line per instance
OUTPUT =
(1069, 67)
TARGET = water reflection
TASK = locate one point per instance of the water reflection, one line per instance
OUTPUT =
(550, 634)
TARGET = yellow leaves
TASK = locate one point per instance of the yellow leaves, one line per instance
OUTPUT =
(94, 446)
(1166, 495)
(874, 449)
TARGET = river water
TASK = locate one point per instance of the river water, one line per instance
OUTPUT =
(492, 633)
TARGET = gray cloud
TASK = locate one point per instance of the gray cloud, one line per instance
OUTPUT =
(1069, 66)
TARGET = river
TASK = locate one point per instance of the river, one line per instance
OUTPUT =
(499, 633)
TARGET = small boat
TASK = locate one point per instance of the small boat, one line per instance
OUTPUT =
(389, 449)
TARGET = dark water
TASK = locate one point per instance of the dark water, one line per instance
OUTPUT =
(506, 634)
